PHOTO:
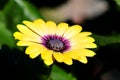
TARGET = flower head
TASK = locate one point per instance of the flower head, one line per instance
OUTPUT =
(55, 42)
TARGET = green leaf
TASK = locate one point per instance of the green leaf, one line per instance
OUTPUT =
(18, 10)
(6, 37)
(105, 40)
(118, 2)
(59, 74)
(28, 9)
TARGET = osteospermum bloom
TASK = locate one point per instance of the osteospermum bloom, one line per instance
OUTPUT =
(53, 42)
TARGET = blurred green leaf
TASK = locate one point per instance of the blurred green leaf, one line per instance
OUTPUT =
(5, 34)
(105, 40)
(28, 9)
(118, 2)
(18, 10)
(59, 74)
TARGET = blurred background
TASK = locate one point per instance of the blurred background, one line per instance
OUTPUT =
(101, 17)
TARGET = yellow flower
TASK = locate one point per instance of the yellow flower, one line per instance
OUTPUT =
(55, 42)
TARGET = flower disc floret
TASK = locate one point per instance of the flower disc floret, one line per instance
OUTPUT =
(56, 43)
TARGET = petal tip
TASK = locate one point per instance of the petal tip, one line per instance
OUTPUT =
(48, 63)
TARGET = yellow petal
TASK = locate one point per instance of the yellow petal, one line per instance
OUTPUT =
(46, 54)
(36, 39)
(34, 50)
(84, 45)
(48, 61)
(51, 27)
(21, 36)
(83, 34)
(86, 52)
(72, 31)
(80, 54)
(33, 27)
(72, 54)
(25, 30)
(62, 27)
(41, 26)
(67, 60)
(77, 55)
(35, 54)
(58, 56)
(25, 43)
(83, 59)
(77, 40)
(18, 35)
(40, 22)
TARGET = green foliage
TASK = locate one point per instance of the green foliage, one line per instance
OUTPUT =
(60, 74)
(118, 2)
(106, 40)
(6, 37)
(18, 10)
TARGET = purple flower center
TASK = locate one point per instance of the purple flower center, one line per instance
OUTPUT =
(56, 43)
